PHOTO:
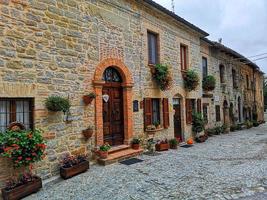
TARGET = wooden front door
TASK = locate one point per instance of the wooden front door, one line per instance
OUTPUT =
(177, 119)
(113, 116)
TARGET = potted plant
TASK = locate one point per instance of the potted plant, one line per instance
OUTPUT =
(162, 76)
(157, 125)
(21, 187)
(209, 83)
(162, 145)
(73, 165)
(23, 148)
(57, 103)
(103, 150)
(173, 143)
(87, 99)
(191, 80)
(136, 143)
(87, 133)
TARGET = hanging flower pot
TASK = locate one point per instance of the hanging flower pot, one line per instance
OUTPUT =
(162, 76)
(87, 133)
(209, 83)
(87, 99)
(191, 80)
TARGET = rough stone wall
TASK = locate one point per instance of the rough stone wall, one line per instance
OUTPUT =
(50, 47)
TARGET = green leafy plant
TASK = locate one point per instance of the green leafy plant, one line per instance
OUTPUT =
(209, 83)
(248, 124)
(162, 76)
(173, 142)
(191, 80)
(57, 103)
(224, 128)
(92, 95)
(157, 123)
(136, 141)
(23, 147)
(105, 147)
(198, 123)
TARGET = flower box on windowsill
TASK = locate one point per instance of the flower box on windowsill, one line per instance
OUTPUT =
(162, 147)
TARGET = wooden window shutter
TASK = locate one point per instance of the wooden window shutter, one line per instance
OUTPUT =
(166, 120)
(147, 112)
(199, 106)
(188, 105)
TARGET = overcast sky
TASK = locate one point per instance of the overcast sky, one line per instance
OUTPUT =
(242, 24)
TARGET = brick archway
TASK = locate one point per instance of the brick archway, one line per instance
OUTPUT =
(127, 85)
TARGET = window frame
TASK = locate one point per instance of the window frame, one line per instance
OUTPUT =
(204, 72)
(184, 57)
(157, 112)
(13, 111)
(157, 56)
(205, 110)
(218, 113)
(222, 73)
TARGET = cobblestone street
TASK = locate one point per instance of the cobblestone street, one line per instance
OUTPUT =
(230, 166)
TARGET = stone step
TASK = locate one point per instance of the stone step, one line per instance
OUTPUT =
(118, 148)
(119, 156)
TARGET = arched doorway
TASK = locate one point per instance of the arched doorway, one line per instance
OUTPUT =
(225, 113)
(112, 107)
(113, 104)
(231, 113)
(239, 110)
(177, 117)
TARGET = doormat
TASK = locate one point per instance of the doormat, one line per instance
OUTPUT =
(131, 161)
(152, 154)
(186, 146)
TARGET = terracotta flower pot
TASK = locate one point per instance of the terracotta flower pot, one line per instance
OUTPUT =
(66, 173)
(22, 190)
(87, 100)
(103, 154)
(162, 147)
(135, 146)
(87, 133)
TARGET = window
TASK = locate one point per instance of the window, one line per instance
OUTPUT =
(234, 78)
(155, 111)
(205, 113)
(222, 73)
(190, 109)
(152, 112)
(218, 113)
(16, 110)
(247, 82)
(153, 54)
(183, 57)
(204, 67)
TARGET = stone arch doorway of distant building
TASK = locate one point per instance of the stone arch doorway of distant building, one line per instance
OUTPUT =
(225, 112)
(126, 85)
(178, 117)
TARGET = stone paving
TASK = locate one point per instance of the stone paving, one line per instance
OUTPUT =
(230, 166)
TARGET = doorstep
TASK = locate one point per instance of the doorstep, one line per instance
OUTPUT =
(119, 153)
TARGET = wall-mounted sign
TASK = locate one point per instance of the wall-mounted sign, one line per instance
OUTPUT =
(105, 97)
(135, 106)
(217, 98)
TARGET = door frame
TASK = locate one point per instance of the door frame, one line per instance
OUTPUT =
(181, 116)
(127, 87)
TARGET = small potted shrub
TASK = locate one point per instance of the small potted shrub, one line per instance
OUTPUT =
(73, 165)
(87, 133)
(57, 104)
(157, 125)
(87, 99)
(23, 148)
(173, 143)
(256, 124)
(24, 185)
(162, 145)
(103, 150)
(191, 80)
(136, 143)
(209, 83)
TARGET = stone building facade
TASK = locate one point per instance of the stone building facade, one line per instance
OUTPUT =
(64, 48)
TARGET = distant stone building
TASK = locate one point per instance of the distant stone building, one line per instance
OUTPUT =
(71, 48)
